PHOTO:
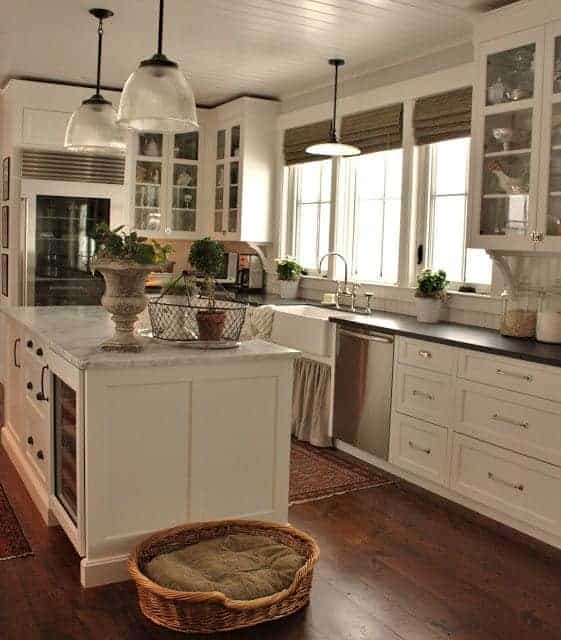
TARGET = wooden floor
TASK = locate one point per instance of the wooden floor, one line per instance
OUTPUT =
(395, 566)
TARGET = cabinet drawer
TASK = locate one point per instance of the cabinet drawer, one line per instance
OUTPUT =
(522, 423)
(36, 386)
(518, 486)
(37, 440)
(33, 350)
(507, 373)
(419, 447)
(423, 394)
(427, 355)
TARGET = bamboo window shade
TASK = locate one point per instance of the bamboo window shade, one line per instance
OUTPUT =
(298, 139)
(443, 116)
(375, 129)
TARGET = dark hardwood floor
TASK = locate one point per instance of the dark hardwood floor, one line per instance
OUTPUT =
(395, 565)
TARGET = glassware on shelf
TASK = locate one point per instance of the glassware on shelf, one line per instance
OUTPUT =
(503, 215)
(508, 133)
(548, 326)
(184, 175)
(510, 75)
(150, 144)
(147, 219)
(235, 141)
(519, 313)
(148, 172)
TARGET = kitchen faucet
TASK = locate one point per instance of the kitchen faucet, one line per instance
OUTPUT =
(345, 285)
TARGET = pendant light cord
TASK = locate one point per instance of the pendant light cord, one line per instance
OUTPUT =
(334, 120)
(161, 28)
(99, 50)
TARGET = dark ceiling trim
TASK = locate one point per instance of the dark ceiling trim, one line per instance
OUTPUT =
(85, 85)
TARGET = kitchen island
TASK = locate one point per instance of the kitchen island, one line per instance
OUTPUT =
(115, 446)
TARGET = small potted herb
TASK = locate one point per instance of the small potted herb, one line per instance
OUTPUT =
(207, 257)
(124, 260)
(431, 291)
(288, 274)
(162, 253)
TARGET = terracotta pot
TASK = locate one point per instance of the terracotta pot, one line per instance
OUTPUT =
(124, 299)
(211, 324)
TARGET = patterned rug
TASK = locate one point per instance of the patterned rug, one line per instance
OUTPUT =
(13, 543)
(317, 473)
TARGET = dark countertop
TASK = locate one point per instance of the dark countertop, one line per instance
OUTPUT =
(456, 335)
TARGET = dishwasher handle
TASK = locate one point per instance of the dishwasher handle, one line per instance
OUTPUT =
(372, 337)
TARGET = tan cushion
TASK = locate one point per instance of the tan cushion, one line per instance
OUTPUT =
(241, 566)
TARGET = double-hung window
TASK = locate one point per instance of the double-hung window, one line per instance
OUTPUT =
(373, 212)
(309, 212)
(445, 172)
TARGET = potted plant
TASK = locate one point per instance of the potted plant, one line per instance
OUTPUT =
(207, 257)
(288, 274)
(163, 252)
(431, 291)
(124, 260)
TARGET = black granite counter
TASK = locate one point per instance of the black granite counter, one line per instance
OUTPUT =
(456, 335)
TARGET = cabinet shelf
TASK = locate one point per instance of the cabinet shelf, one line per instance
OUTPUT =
(498, 196)
(507, 107)
(148, 184)
(510, 152)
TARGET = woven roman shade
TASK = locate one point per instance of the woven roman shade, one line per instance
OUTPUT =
(443, 116)
(375, 129)
(298, 139)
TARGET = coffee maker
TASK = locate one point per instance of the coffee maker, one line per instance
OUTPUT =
(250, 272)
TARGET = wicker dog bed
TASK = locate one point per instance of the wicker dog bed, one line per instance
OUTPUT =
(210, 612)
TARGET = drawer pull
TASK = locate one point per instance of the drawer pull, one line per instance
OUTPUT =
(510, 374)
(523, 424)
(423, 394)
(507, 483)
(30, 344)
(40, 455)
(419, 448)
(424, 354)
(16, 363)
(30, 386)
(39, 352)
(30, 440)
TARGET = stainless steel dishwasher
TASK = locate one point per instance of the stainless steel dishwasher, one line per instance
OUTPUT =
(363, 389)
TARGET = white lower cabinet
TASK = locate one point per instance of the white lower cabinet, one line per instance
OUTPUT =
(420, 447)
(521, 487)
(483, 430)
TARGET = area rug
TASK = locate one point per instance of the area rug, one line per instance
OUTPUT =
(317, 473)
(13, 544)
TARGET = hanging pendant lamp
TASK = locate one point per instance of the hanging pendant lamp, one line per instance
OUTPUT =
(157, 96)
(333, 147)
(93, 127)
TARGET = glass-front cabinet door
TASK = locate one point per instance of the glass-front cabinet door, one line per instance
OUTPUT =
(549, 211)
(227, 192)
(166, 171)
(507, 135)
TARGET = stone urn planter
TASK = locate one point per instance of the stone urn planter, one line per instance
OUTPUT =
(124, 299)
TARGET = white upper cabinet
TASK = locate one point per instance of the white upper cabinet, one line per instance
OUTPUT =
(516, 129)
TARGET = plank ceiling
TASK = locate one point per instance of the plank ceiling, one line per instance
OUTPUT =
(229, 47)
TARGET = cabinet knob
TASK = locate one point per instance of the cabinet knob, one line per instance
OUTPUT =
(40, 455)
(39, 352)
(30, 344)
(30, 440)
(29, 385)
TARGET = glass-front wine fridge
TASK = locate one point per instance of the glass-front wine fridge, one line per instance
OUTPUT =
(65, 435)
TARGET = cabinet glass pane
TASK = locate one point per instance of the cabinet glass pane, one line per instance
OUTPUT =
(508, 133)
(510, 75)
(504, 215)
(553, 226)
(218, 221)
(183, 220)
(235, 142)
(186, 146)
(147, 195)
(234, 172)
(184, 198)
(557, 66)
(150, 144)
(146, 219)
(219, 199)
(65, 433)
(233, 221)
(220, 175)
(185, 175)
(148, 172)
(221, 144)
(233, 200)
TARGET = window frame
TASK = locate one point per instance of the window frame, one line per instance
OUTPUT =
(426, 176)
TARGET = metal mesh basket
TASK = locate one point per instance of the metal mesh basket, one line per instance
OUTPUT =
(185, 318)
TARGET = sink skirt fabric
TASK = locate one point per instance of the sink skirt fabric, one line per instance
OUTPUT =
(310, 402)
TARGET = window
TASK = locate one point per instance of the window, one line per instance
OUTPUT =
(373, 215)
(309, 219)
(448, 178)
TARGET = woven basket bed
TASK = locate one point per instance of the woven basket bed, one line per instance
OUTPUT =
(210, 612)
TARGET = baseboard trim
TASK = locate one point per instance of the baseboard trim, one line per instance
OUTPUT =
(96, 573)
(38, 493)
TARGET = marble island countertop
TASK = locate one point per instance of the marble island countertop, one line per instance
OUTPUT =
(74, 333)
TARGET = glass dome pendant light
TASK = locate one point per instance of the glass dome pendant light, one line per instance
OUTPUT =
(93, 127)
(333, 147)
(157, 96)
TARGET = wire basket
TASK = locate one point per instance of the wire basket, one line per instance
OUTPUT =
(187, 319)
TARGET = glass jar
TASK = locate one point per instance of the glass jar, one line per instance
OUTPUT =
(548, 327)
(519, 314)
